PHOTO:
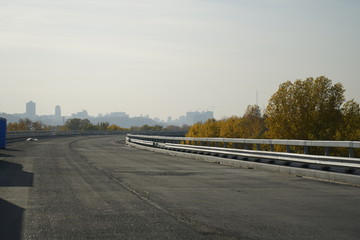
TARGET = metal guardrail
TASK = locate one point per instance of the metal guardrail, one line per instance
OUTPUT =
(350, 145)
(328, 163)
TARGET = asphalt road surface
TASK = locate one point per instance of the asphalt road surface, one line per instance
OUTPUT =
(100, 188)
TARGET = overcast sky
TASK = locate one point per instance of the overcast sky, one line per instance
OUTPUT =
(166, 57)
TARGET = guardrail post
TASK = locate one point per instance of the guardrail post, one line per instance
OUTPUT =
(246, 147)
(272, 147)
(306, 150)
(3, 132)
(258, 147)
(224, 144)
(327, 151)
(351, 152)
(288, 150)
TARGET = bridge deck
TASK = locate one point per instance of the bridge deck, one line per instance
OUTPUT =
(99, 188)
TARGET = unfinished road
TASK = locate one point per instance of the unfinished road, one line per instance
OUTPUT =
(100, 188)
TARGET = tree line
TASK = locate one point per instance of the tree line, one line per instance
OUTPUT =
(71, 124)
(78, 124)
(310, 109)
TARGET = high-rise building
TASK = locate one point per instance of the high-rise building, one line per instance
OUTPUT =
(57, 111)
(31, 110)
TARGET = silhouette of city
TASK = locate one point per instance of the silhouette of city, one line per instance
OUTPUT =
(118, 118)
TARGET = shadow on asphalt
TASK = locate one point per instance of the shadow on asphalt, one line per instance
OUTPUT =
(11, 217)
(6, 152)
(12, 175)
(5, 155)
(11, 150)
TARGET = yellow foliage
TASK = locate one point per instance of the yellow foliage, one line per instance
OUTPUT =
(350, 127)
(308, 110)
(251, 125)
(114, 127)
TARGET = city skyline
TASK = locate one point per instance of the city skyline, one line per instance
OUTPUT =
(31, 106)
(164, 58)
(118, 118)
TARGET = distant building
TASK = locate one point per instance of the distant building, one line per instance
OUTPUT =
(57, 111)
(31, 110)
(82, 115)
(157, 120)
(192, 118)
(117, 114)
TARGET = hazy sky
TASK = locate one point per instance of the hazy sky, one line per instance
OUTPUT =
(166, 57)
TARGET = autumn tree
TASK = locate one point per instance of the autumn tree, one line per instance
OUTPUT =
(194, 130)
(114, 127)
(350, 126)
(151, 128)
(211, 128)
(157, 127)
(231, 127)
(14, 127)
(78, 124)
(252, 124)
(37, 125)
(309, 109)
(177, 128)
(27, 125)
(102, 126)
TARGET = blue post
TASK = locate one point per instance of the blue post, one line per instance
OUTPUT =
(2, 132)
